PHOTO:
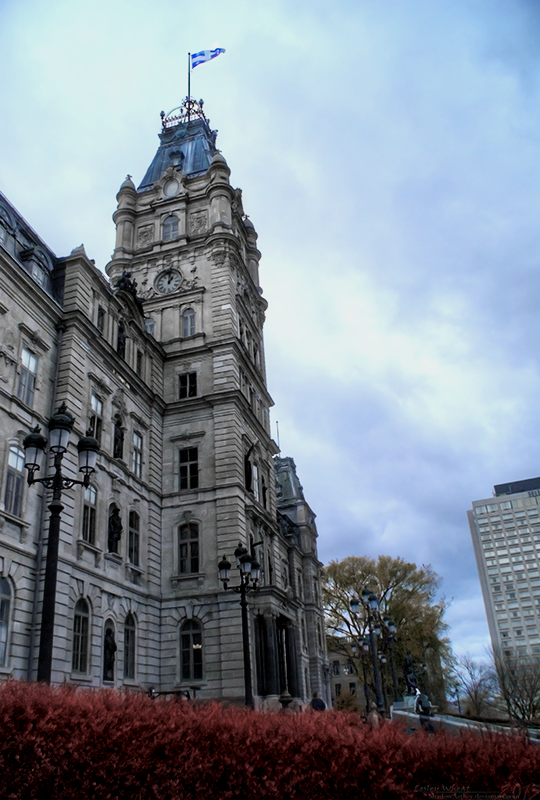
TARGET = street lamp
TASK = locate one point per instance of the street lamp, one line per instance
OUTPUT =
(250, 571)
(456, 690)
(371, 605)
(60, 426)
(391, 627)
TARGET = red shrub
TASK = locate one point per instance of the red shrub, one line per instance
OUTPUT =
(64, 743)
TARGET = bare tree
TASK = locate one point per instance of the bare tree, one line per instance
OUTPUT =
(518, 678)
(477, 684)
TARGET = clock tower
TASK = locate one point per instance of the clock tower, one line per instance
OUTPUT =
(188, 251)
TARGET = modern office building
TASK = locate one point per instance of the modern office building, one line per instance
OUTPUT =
(505, 531)
(163, 359)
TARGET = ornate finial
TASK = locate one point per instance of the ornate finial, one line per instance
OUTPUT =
(190, 109)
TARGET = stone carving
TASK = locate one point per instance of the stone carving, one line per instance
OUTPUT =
(198, 222)
(145, 236)
(7, 356)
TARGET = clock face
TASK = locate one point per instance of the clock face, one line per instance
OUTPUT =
(169, 281)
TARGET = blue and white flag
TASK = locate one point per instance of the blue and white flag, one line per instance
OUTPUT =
(205, 55)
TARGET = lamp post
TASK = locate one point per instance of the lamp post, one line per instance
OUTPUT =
(391, 627)
(456, 690)
(60, 426)
(249, 576)
(371, 604)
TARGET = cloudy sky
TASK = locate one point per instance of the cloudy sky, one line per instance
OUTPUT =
(389, 156)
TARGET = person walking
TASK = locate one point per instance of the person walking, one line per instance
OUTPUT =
(317, 703)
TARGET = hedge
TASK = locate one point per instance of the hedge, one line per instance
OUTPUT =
(69, 743)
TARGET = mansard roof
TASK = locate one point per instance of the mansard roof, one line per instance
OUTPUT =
(187, 143)
(21, 241)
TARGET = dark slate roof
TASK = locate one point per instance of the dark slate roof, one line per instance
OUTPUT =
(25, 246)
(187, 145)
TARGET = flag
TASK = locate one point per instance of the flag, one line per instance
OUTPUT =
(205, 55)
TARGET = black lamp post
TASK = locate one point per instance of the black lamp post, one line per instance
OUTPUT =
(60, 426)
(456, 689)
(249, 576)
(364, 649)
(371, 604)
(391, 626)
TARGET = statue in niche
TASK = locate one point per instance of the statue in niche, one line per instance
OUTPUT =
(118, 446)
(109, 651)
(115, 530)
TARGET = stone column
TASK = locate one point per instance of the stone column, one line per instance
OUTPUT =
(271, 655)
(292, 661)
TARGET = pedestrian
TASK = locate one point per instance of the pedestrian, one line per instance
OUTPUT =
(422, 707)
(317, 703)
(373, 717)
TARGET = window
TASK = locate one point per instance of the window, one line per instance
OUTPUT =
(189, 468)
(338, 689)
(129, 648)
(100, 323)
(89, 515)
(352, 688)
(14, 481)
(134, 538)
(136, 459)
(121, 340)
(191, 651)
(96, 417)
(335, 667)
(27, 377)
(118, 446)
(170, 228)
(5, 604)
(255, 481)
(188, 323)
(188, 540)
(81, 621)
(188, 385)
(139, 363)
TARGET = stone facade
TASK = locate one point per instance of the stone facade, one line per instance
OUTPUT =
(164, 360)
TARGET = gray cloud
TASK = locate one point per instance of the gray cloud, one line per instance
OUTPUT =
(389, 157)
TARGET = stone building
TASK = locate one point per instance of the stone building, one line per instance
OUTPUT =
(164, 361)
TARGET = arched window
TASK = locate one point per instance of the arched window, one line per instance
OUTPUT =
(81, 625)
(14, 481)
(188, 551)
(5, 608)
(188, 323)
(134, 538)
(170, 228)
(191, 651)
(129, 647)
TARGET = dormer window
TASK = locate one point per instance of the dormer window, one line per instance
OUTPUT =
(170, 228)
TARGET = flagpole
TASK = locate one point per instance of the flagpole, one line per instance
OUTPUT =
(189, 83)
